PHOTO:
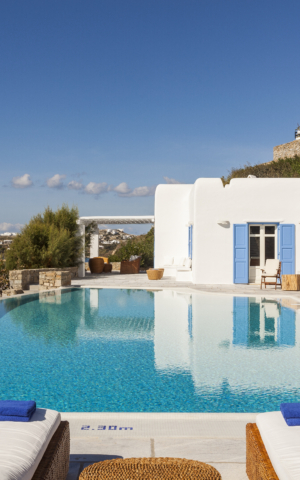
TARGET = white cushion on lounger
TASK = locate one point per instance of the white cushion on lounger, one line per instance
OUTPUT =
(23, 444)
(282, 444)
(168, 260)
(187, 262)
(179, 261)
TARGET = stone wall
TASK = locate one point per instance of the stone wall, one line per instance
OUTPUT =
(54, 279)
(21, 279)
(286, 150)
(116, 266)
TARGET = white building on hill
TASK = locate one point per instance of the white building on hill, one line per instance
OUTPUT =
(210, 234)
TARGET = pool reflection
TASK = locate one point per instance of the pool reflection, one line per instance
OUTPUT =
(263, 323)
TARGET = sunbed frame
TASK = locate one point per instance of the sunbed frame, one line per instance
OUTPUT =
(55, 462)
(258, 463)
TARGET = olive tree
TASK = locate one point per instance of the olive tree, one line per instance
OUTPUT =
(49, 240)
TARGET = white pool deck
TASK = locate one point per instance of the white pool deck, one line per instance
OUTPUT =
(215, 438)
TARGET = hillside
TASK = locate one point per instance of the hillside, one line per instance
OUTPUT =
(282, 168)
(111, 240)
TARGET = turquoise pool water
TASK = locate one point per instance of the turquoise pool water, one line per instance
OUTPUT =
(143, 351)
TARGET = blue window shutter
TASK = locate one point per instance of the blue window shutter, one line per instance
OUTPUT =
(287, 248)
(240, 253)
(240, 320)
(191, 241)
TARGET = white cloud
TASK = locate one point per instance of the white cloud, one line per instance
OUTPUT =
(10, 227)
(143, 191)
(22, 182)
(73, 185)
(96, 188)
(56, 181)
(171, 180)
(123, 189)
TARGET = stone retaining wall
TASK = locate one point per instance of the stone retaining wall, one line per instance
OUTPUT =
(116, 266)
(21, 279)
(286, 150)
(54, 279)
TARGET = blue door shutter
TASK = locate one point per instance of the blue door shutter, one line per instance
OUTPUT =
(240, 320)
(286, 327)
(287, 248)
(240, 254)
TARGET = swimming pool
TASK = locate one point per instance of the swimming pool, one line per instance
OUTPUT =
(143, 351)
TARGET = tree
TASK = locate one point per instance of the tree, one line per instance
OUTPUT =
(4, 280)
(49, 240)
(143, 247)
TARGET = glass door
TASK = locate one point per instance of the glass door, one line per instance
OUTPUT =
(262, 246)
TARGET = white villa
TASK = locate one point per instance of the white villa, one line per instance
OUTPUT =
(210, 234)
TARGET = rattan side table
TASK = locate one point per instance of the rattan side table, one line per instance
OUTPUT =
(150, 469)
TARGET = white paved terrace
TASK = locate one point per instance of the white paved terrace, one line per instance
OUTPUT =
(116, 280)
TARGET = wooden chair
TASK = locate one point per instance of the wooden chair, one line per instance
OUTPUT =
(270, 275)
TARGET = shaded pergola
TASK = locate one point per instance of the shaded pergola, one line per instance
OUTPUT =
(107, 220)
(117, 220)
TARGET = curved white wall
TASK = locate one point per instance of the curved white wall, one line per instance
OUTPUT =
(171, 220)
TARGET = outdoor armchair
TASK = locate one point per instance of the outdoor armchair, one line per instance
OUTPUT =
(130, 266)
(270, 275)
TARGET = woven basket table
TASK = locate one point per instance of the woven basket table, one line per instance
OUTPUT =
(150, 469)
(155, 273)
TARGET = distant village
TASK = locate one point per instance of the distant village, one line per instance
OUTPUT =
(5, 238)
(5, 241)
(111, 239)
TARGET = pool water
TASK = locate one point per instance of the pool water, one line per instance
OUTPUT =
(142, 351)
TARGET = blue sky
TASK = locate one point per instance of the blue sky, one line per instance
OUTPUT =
(100, 101)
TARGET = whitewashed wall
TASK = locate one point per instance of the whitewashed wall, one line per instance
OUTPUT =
(243, 200)
(171, 220)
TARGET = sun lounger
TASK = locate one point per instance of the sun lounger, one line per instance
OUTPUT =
(272, 448)
(35, 450)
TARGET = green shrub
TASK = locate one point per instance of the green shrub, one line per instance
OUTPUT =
(283, 168)
(47, 241)
(143, 247)
(4, 276)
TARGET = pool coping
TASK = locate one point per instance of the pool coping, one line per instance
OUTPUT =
(161, 424)
(185, 290)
